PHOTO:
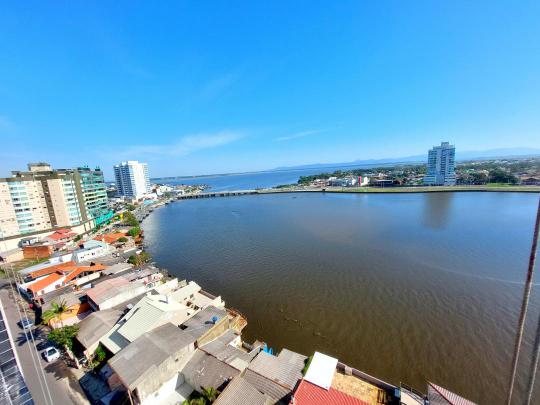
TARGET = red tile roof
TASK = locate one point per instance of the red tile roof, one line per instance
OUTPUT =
(82, 269)
(62, 267)
(61, 234)
(310, 394)
(44, 283)
(110, 237)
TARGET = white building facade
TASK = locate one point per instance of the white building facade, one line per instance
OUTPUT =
(441, 167)
(132, 179)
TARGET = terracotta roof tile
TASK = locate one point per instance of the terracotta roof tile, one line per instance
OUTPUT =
(45, 282)
(310, 394)
(62, 267)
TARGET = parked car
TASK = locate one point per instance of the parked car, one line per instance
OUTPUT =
(51, 354)
(26, 323)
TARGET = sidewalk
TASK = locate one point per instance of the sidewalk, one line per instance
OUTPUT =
(60, 386)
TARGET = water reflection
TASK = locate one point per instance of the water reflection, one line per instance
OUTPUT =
(437, 207)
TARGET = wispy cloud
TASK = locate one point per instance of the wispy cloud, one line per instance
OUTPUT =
(185, 145)
(302, 134)
(219, 85)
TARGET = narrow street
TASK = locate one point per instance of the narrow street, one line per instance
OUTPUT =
(55, 385)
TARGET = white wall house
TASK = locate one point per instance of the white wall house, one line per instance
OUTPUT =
(132, 179)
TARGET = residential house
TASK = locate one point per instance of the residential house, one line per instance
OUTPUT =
(240, 392)
(91, 250)
(204, 370)
(95, 326)
(207, 324)
(152, 311)
(276, 376)
(149, 367)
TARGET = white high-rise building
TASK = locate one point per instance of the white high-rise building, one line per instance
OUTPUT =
(441, 167)
(132, 179)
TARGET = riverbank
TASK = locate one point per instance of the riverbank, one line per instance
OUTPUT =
(421, 189)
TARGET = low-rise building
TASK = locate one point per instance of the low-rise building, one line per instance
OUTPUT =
(149, 368)
(276, 376)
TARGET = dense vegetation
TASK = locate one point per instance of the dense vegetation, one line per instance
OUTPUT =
(507, 171)
(63, 336)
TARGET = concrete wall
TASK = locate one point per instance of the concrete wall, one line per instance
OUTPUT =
(163, 373)
(217, 330)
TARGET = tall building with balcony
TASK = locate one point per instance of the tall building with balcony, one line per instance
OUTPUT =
(42, 199)
(132, 179)
(441, 167)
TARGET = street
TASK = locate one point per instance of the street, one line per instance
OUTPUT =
(56, 385)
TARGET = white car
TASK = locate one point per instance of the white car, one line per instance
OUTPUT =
(51, 354)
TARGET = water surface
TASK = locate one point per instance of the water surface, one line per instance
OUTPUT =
(407, 287)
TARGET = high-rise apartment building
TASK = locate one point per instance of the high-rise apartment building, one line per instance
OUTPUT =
(441, 167)
(42, 199)
(132, 179)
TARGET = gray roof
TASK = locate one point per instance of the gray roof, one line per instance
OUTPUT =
(222, 350)
(201, 322)
(96, 325)
(275, 376)
(285, 369)
(117, 268)
(241, 392)
(266, 386)
(204, 370)
(147, 352)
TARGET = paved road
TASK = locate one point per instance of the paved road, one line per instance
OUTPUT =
(63, 387)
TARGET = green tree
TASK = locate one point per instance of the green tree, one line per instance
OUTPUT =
(140, 259)
(122, 239)
(129, 219)
(58, 308)
(64, 336)
(99, 356)
(131, 207)
(210, 393)
(135, 231)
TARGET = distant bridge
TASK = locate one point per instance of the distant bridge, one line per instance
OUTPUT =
(217, 194)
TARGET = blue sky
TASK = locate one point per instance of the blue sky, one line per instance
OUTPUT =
(209, 87)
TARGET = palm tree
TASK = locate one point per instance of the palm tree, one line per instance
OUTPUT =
(210, 393)
(55, 313)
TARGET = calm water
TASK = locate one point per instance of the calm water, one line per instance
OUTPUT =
(250, 181)
(407, 287)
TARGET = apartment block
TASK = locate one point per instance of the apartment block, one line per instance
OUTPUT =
(132, 179)
(42, 199)
(441, 166)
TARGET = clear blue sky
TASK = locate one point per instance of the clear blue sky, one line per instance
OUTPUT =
(223, 86)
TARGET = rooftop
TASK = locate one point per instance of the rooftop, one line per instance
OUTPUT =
(96, 325)
(149, 350)
(44, 282)
(204, 370)
(107, 289)
(311, 394)
(221, 349)
(203, 321)
(241, 392)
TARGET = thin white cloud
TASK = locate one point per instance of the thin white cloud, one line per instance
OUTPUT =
(185, 145)
(299, 135)
(217, 86)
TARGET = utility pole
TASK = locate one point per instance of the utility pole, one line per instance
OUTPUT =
(524, 306)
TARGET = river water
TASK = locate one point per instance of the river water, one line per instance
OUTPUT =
(406, 287)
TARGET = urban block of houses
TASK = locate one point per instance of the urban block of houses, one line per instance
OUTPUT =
(47, 279)
(110, 238)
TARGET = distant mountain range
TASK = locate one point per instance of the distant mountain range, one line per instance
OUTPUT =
(460, 156)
